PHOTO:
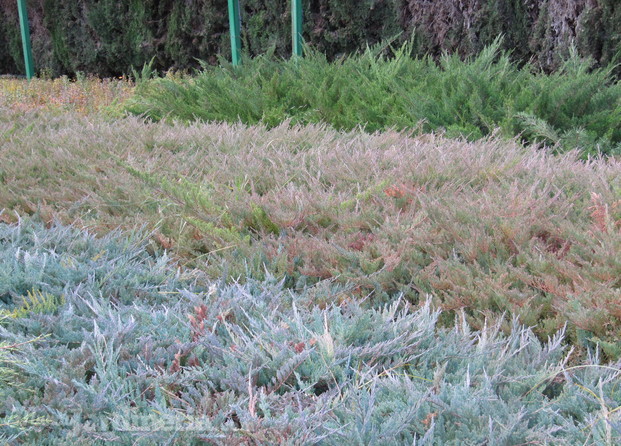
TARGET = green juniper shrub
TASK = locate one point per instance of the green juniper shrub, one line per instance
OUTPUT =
(577, 107)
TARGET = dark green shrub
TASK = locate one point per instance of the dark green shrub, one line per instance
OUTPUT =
(102, 37)
(108, 37)
(11, 55)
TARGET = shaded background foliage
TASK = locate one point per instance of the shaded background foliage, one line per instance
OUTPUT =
(109, 37)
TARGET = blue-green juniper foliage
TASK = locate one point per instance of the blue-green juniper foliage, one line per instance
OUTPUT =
(137, 352)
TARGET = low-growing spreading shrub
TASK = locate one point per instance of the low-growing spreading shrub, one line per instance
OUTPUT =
(86, 95)
(490, 227)
(16, 421)
(40, 266)
(576, 107)
(257, 363)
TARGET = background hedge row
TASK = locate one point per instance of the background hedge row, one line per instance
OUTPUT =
(108, 37)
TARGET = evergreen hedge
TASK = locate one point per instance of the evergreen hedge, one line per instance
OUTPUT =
(109, 37)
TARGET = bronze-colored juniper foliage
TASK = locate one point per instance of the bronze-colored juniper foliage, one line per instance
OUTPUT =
(489, 227)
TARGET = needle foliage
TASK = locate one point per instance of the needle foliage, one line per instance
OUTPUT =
(577, 107)
(237, 363)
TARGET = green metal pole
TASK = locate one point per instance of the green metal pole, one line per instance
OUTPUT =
(296, 26)
(23, 23)
(235, 25)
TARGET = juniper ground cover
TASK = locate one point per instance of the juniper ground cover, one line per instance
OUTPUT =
(120, 346)
(577, 107)
(84, 95)
(289, 284)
